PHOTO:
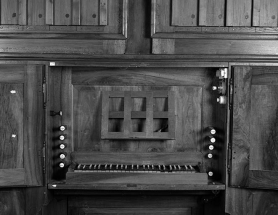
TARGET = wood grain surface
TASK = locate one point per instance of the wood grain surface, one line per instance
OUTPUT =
(241, 126)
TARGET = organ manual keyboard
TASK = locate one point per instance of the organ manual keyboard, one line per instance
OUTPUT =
(126, 169)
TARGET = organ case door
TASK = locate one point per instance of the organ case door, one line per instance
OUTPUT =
(130, 116)
(254, 150)
(21, 125)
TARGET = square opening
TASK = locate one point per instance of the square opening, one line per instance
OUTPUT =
(138, 104)
(115, 125)
(160, 104)
(160, 125)
(116, 104)
(138, 125)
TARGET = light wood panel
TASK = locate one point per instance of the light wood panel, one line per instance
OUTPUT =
(89, 12)
(239, 13)
(9, 12)
(184, 13)
(36, 12)
(62, 12)
(265, 13)
(211, 12)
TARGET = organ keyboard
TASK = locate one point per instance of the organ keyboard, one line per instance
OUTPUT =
(136, 168)
(120, 170)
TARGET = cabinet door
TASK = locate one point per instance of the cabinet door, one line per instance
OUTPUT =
(254, 152)
(21, 125)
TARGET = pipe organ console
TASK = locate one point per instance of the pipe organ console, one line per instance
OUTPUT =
(159, 131)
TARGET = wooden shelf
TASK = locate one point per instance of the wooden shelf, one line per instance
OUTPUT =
(138, 187)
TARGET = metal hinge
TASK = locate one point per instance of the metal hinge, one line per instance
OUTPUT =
(231, 92)
(44, 92)
(44, 157)
(229, 158)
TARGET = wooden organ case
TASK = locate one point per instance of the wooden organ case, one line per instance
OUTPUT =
(137, 129)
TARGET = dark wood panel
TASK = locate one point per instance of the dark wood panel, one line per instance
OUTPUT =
(102, 76)
(137, 201)
(62, 12)
(35, 200)
(12, 202)
(263, 128)
(138, 158)
(264, 75)
(135, 211)
(263, 179)
(63, 46)
(241, 126)
(87, 103)
(12, 74)
(11, 126)
(89, 12)
(221, 47)
(139, 41)
(247, 201)
(33, 125)
(12, 177)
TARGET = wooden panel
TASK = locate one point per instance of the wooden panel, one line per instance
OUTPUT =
(12, 202)
(85, 46)
(184, 13)
(212, 12)
(88, 118)
(250, 201)
(217, 47)
(140, 211)
(11, 126)
(76, 12)
(36, 12)
(9, 12)
(12, 74)
(33, 125)
(263, 179)
(241, 126)
(162, 15)
(263, 128)
(66, 106)
(62, 12)
(89, 12)
(239, 13)
(49, 12)
(103, 12)
(265, 13)
(188, 157)
(12, 177)
(134, 204)
(22, 8)
(126, 179)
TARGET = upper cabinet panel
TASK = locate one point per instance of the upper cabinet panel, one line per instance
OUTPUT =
(86, 27)
(214, 27)
(174, 14)
(96, 16)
